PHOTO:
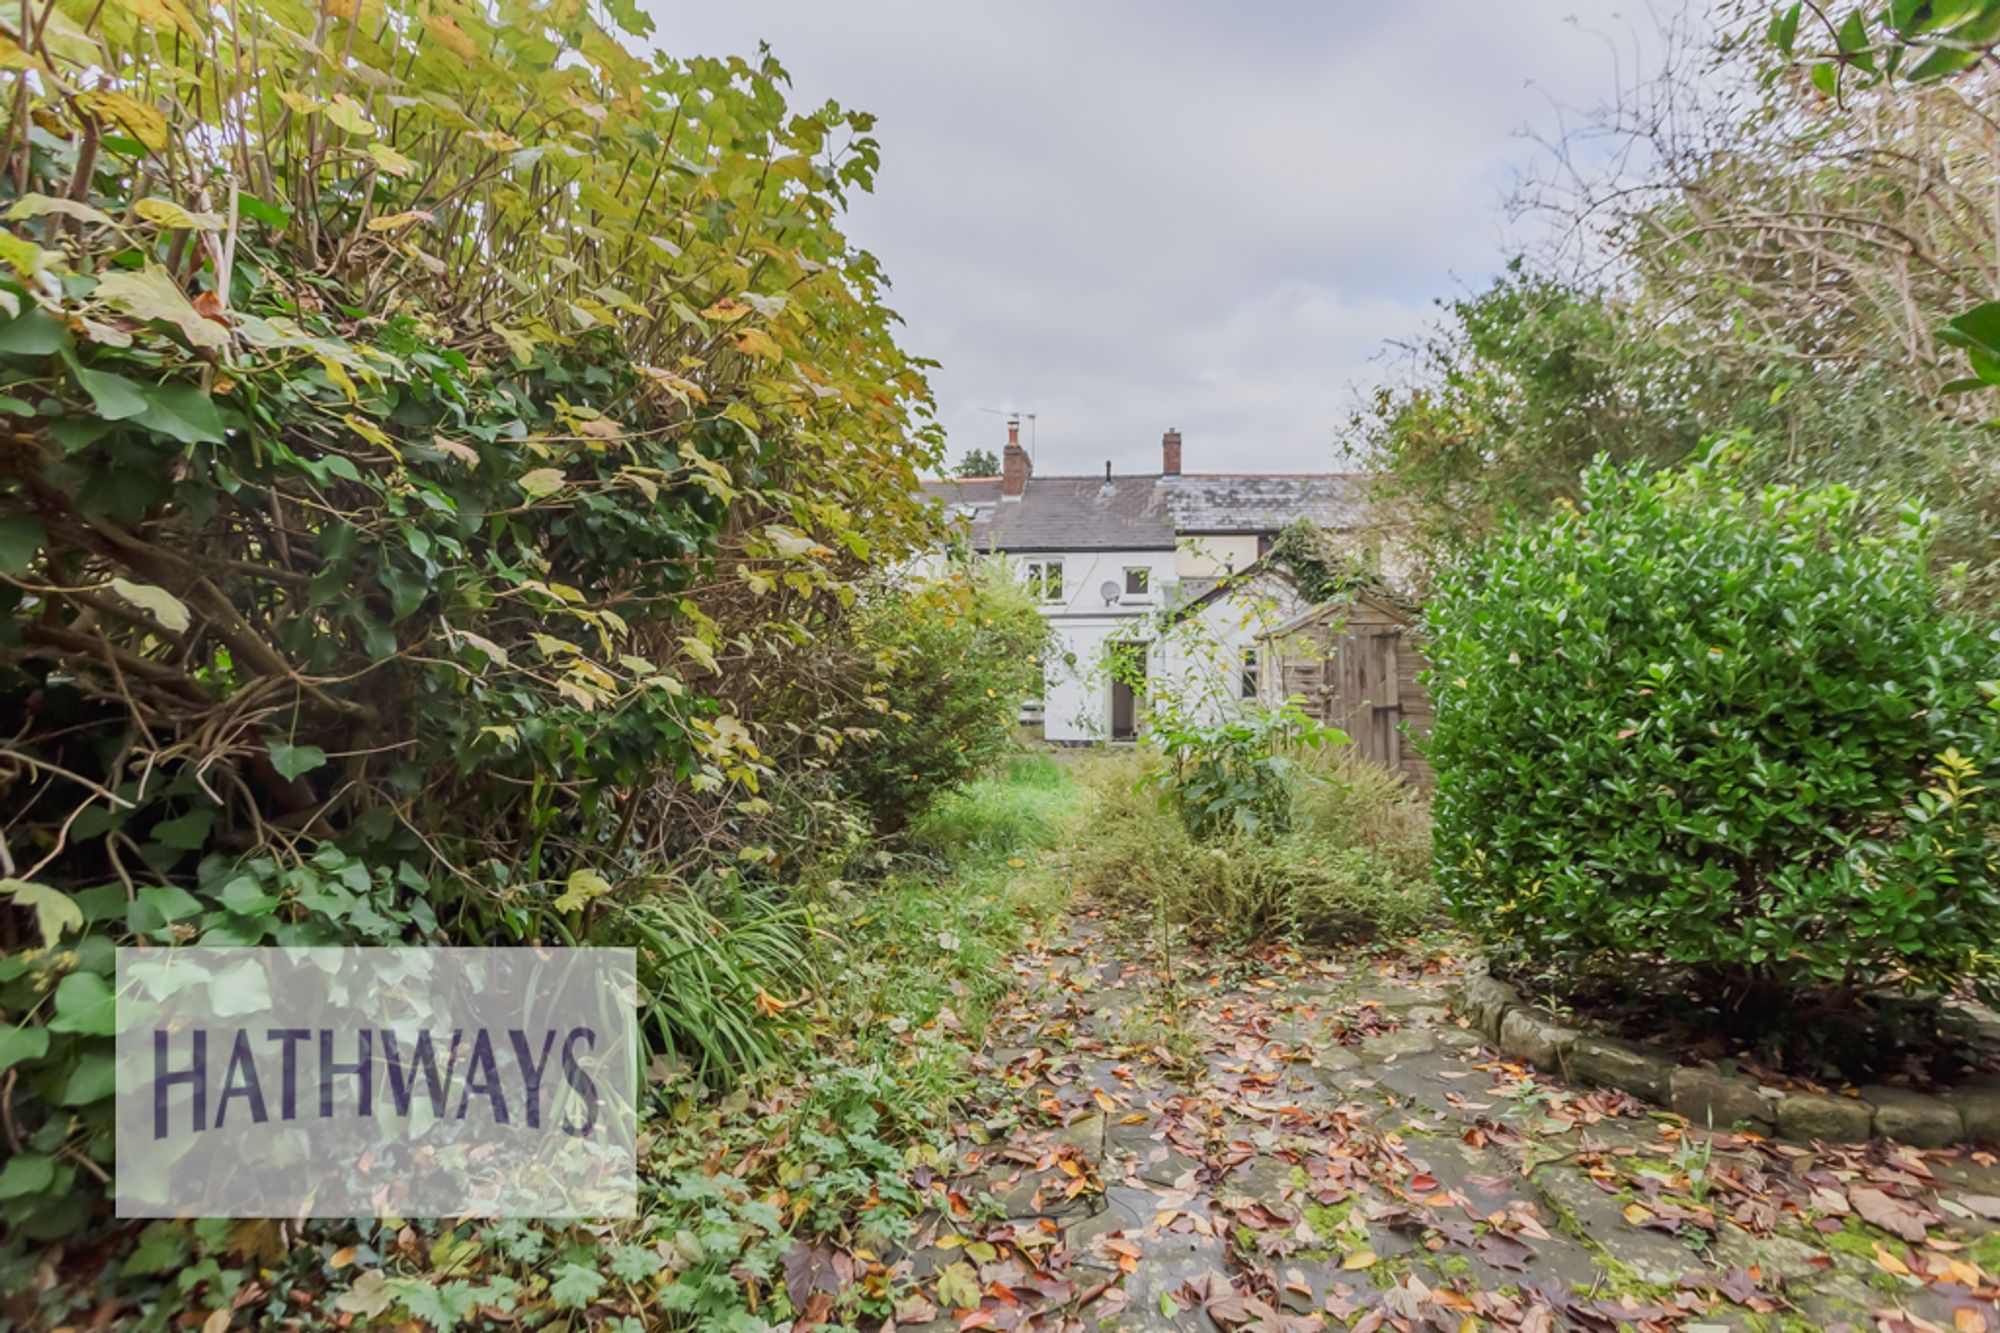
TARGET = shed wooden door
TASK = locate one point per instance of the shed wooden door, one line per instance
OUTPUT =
(1364, 678)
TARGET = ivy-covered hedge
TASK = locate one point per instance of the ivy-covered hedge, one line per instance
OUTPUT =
(440, 450)
(1733, 731)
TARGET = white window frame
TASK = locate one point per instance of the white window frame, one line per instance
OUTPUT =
(1144, 592)
(1042, 575)
(1249, 678)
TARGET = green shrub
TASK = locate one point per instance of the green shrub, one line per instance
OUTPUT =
(1732, 731)
(958, 656)
(431, 474)
(1237, 772)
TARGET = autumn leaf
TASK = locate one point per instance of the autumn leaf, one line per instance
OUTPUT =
(543, 481)
(1896, 1216)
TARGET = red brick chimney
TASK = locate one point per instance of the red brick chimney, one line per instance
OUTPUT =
(1014, 465)
(1170, 453)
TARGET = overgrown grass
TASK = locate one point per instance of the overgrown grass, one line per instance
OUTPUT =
(1355, 864)
(842, 1126)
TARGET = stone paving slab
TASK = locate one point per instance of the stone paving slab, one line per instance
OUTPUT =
(1332, 1139)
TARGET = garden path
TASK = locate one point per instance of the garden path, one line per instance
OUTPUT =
(1321, 1143)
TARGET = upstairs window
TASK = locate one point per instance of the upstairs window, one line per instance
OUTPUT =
(1246, 682)
(1138, 581)
(1045, 580)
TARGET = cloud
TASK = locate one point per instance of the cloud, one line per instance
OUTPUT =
(1129, 215)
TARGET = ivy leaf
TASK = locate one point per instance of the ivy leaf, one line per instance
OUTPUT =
(151, 293)
(26, 1173)
(162, 905)
(162, 1247)
(54, 911)
(293, 761)
(94, 1079)
(85, 1004)
(242, 989)
(186, 833)
(244, 895)
(19, 1044)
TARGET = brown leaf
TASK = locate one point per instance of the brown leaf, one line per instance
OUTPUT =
(1981, 1205)
(1896, 1216)
(809, 1269)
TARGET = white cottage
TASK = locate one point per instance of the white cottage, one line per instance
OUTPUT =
(1108, 554)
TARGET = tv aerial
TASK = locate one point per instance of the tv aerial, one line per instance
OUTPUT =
(1015, 418)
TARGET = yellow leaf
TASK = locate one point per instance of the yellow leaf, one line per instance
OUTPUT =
(388, 160)
(1359, 1260)
(145, 122)
(396, 220)
(451, 36)
(341, 1257)
(542, 481)
(163, 14)
(1890, 1263)
(756, 342)
(464, 453)
(167, 213)
(152, 293)
(583, 886)
(1638, 1214)
(347, 114)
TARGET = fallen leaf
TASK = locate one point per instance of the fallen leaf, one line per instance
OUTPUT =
(1897, 1216)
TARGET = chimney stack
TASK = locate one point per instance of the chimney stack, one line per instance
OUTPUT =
(1015, 466)
(1170, 453)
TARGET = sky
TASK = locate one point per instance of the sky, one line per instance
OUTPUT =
(1130, 215)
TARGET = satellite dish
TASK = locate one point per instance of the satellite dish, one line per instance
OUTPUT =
(1108, 590)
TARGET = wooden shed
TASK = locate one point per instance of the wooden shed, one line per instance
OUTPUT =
(1355, 662)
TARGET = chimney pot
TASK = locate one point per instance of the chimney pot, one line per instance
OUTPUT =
(1015, 465)
(1170, 453)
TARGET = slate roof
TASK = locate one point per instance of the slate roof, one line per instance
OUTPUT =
(1145, 512)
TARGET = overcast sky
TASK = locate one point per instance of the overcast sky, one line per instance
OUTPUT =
(1125, 215)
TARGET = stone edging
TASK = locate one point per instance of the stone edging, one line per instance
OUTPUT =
(1707, 1097)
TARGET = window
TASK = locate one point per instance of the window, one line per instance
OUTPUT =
(1137, 579)
(1246, 684)
(1045, 580)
